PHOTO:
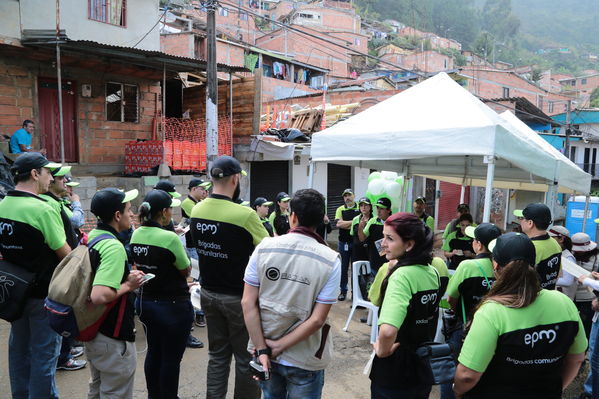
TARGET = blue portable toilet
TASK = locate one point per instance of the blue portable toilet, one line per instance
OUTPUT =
(574, 216)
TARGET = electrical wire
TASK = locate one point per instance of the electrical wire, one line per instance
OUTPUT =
(313, 36)
(166, 8)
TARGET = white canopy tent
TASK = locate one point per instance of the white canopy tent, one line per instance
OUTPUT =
(439, 130)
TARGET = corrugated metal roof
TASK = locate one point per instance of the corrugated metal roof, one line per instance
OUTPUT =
(147, 58)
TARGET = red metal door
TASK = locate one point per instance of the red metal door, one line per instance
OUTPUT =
(49, 129)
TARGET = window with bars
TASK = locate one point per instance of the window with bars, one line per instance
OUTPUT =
(121, 102)
(108, 11)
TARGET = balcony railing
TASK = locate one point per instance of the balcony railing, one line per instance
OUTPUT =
(590, 168)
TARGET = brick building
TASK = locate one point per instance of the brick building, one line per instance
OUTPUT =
(493, 83)
(435, 41)
(423, 61)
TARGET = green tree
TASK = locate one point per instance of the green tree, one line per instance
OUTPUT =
(595, 98)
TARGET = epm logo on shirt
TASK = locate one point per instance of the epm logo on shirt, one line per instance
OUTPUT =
(274, 274)
(548, 335)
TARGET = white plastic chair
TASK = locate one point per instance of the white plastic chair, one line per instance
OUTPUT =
(358, 300)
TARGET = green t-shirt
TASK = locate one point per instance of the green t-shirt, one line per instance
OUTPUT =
(225, 234)
(112, 260)
(409, 285)
(30, 231)
(374, 232)
(520, 351)
(159, 251)
(457, 240)
(375, 288)
(346, 214)
(548, 260)
(428, 220)
(187, 205)
(469, 284)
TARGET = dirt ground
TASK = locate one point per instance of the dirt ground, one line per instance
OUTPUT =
(343, 378)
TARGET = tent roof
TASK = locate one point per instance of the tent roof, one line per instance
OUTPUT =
(439, 129)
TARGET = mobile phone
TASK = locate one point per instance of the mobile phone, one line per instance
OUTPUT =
(258, 371)
(148, 277)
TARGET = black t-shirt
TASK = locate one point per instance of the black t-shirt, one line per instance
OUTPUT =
(224, 235)
(346, 214)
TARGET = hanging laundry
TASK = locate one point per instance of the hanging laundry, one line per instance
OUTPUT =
(250, 61)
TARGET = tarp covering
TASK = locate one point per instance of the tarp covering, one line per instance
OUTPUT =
(440, 130)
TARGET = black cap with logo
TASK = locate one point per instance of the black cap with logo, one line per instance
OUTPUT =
(282, 196)
(160, 199)
(420, 199)
(261, 201)
(28, 161)
(109, 200)
(364, 200)
(225, 165)
(483, 233)
(513, 246)
(383, 203)
(347, 191)
(199, 183)
(169, 187)
(537, 212)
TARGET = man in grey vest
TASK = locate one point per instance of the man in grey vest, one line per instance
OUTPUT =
(291, 282)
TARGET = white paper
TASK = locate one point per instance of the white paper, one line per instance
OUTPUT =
(369, 364)
(573, 268)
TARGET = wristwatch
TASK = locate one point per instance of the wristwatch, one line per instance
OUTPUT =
(265, 351)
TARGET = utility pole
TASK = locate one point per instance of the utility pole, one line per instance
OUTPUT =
(568, 129)
(211, 85)
(59, 78)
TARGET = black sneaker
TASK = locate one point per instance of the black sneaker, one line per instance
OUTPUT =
(200, 320)
(342, 296)
(72, 364)
(193, 342)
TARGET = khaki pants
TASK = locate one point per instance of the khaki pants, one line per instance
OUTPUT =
(112, 364)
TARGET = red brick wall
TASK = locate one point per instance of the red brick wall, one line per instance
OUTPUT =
(489, 84)
(181, 44)
(16, 97)
(310, 51)
(100, 141)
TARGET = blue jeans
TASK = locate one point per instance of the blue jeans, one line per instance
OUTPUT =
(167, 326)
(65, 350)
(408, 392)
(33, 349)
(591, 385)
(455, 340)
(288, 382)
(345, 250)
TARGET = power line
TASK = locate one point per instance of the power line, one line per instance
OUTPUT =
(152, 28)
(299, 31)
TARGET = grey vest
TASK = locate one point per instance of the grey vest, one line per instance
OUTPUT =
(292, 270)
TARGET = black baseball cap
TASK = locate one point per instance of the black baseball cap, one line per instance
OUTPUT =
(282, 196)
(513, 246)
(463, 207)
(261, 201)
(31, 160)
(420, 199)
(484, 233)
(537, 212)
(226, 166)
(169, 187)
(199, 183)
(383, 203)
(160, 199)
(62, 171)
(364, 200)
(347, 191)
(109, 200)
(241, 201)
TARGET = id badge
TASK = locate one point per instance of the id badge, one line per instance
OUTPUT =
(346, 247)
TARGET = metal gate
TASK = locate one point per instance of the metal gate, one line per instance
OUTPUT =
(267, 179)
(338, 179)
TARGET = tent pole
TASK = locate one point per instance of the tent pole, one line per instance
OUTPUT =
(584, 215)
(462, 193)
(551, 198)
(490, 161)
(311, 174)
